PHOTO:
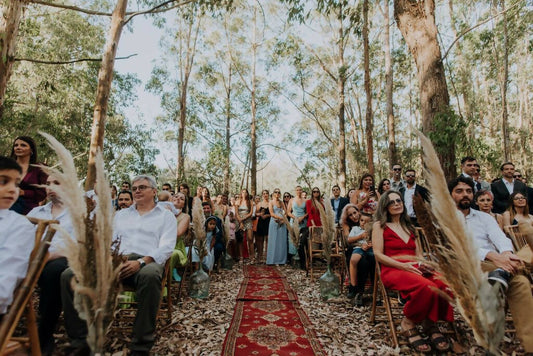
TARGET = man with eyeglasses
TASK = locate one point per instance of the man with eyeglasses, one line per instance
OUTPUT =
(495, 251)
(411, 188)
(147, 234)
(337, 202)
(503, 188)
(396, 181)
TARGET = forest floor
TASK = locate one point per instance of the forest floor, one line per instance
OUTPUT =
(198, 327)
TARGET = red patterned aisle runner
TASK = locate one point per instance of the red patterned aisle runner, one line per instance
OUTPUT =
(268, 319)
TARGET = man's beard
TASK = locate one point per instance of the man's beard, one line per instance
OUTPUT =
(463, 205)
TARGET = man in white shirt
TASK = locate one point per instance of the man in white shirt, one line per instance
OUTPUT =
(17, 234)
(410, 190)
(49, 281)
(495, 251)
(147, 234)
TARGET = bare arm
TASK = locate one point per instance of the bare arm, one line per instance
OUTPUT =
(377, 244)
(183, 226)
(506, 218)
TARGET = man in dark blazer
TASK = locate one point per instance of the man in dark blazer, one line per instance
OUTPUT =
(410, 190)
(504, 187)
(337, 202)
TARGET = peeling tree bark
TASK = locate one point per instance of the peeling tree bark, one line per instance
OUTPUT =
(368, 90)
(105, 78)
(9, 26)
(416, 21)
(391, 132)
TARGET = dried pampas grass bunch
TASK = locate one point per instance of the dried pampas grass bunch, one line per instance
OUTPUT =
(198, 221)
(456, 256)
(96, 285)
(327, 218)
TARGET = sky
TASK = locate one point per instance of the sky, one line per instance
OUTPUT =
(143, 40)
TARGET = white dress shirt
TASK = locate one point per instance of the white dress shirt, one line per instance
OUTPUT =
(509, 185)
(488, 237)
(17, 238)
(45, 212)
(408, 199)
(151, 234)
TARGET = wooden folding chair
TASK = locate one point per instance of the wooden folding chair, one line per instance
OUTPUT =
(315, 249)
(338, 257)
(189, 239)
(516, 236)
(22, 300)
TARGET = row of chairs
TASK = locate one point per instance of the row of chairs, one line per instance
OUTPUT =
(23, 303)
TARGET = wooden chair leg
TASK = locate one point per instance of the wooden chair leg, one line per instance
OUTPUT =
(386, 303)
(310, 252)
(374, 298)
(33, 334)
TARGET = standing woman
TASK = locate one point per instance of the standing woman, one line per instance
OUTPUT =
(179, 255)
(221, 209)
(277, 232)
(297, 212)
(311, 208)
(24, 151)
(206, 198)
(263, 215)
(383, 186)
(393, 238)
(244, 217)
(366, 198)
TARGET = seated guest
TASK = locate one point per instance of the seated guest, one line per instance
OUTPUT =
(50, 279)
(484, 200)
(362, 258)
(147, 234)
(392, 238)
(125, 199)
(179, 255)
(17, 234)
(366, 197)
(164, 199)
(518, 210)
(495, 251)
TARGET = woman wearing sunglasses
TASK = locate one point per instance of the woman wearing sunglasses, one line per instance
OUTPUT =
(392, 239)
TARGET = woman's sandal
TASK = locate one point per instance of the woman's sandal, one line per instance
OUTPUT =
(438, 339)
(417, 343)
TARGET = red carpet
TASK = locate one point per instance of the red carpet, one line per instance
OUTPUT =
(268, 319)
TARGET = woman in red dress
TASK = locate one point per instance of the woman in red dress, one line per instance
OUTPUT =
(392, 238)
(24, 151)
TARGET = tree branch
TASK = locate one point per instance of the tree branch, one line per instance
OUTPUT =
(476, 26)
(40, 61)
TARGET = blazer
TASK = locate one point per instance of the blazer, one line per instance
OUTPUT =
(501, 194)
(418, 190)
(342, 203)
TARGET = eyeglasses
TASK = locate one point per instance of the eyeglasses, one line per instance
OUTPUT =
(316, 191)
(519, 198)
(276, 192)
(396, 169)
(410, 175)
(140, 188)
(394, 201)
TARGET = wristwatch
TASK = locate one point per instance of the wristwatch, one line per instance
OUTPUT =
(141, 261)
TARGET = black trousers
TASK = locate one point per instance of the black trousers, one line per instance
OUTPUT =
(50, 300)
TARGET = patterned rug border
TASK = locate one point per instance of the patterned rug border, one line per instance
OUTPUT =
(291, 295)
(271, 270)
(228, 347)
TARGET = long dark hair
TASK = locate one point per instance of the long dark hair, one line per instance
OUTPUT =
(512, 210)
(380, 185)
(383, 216)
(363, 178)
(33, 147)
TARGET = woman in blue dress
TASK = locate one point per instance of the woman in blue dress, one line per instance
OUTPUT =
(277, 232)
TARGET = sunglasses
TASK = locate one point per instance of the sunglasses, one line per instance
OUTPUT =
(286, 196)
(396, 169)
(394, 201)
(316, 191)
(517, 176)
(410, 175)
(276, 192)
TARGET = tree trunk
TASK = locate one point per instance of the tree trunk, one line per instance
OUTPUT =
(504, 79)
(105, 78)
(341, 80)
(391, 134)
(368, 92)
(227, 152)
(416, 21)
(9, 26)
(253, 143)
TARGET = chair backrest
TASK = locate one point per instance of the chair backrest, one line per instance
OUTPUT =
(24, 291)
(315, 234)
(517, 237)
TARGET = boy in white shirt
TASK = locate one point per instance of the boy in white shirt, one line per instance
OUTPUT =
(17, 234)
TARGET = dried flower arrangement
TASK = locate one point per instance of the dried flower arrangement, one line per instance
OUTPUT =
(96, 285)
(456, 257)
(198, 221)
(327, 218)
